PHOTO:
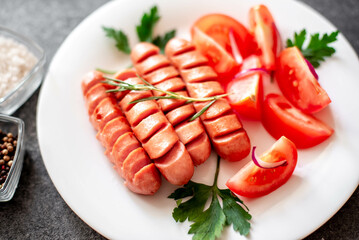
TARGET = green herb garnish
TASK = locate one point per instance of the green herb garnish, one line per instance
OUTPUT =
(208, 224)
(124, 86)
(144, 32)
(105, 71)
(202, 110)
(317, 48)
(120, 38)
(148, 23)
(162, 41)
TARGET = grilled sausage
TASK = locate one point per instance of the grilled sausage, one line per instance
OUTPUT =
(123, 149)
(156, 69)
(155, 133)
(225, 130)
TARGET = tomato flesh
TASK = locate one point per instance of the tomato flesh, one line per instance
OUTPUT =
(252, 181)
(220, 60)
(266, 35)
(219, 26)
(280, 118)
(247, 91)
(247, 95)
(297, 82)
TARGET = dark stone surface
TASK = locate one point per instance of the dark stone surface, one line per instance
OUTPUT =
(37, 211)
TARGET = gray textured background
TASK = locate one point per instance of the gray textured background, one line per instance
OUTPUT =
(37, 211)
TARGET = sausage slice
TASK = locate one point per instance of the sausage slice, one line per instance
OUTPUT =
(225, 130)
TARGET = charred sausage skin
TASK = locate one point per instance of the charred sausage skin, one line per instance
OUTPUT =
(225, 130)
(155, 132)
(122, 148)
(157, 70)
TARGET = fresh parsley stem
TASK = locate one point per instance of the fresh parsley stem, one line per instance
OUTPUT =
(217, 172)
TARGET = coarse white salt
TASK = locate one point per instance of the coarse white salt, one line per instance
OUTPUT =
(16, 61)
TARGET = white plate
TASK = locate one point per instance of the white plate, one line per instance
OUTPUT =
(324, 179)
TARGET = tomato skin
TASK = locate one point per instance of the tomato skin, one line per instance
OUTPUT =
(252, 181)
(297, 82)
(218, 27)
(265, 32)
(220, 60)
(280, 118)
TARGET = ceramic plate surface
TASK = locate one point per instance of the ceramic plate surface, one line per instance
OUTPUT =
(324, 179)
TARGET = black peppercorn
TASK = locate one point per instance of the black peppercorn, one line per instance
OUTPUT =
(7, 152)
(10, 148)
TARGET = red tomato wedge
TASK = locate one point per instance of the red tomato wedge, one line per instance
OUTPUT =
(252, 181)
(219, 26)
(266, 35)
(297, 82)
(247, 97)
(279, 117)
(220, 60)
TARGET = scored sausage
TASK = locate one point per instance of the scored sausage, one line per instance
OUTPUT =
(224, 128)
(122, 147)
(157, 70)
(155, 133)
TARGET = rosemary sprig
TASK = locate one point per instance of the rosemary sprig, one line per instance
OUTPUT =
(202, 110)
(106, 71)
(124, 86)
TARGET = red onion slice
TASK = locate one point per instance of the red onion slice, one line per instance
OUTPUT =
(266, 165)
(235, 51)
(311, 68)
(247, 72)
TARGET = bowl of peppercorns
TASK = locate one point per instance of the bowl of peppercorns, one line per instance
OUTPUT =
(11, 155)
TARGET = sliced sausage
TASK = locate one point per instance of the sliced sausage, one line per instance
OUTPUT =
(156, 69)
(94, 96)
(136, 160)
(157, 137)
(161, 74)
(105, 111)
(114, 132)
(152, 63)
(175, 163)
(146, 181)
(90, 80)
(225, 130)
(123, 146)
(152, 124)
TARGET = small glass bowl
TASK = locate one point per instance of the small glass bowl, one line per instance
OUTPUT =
(17, 127)
(19, 94)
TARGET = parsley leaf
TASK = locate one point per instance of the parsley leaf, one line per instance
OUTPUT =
(235, 214)
(208, 224)
(144, 33)
(162, 41)
(148, 22)
(193, 207)
(120, 38)
(317, 48)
